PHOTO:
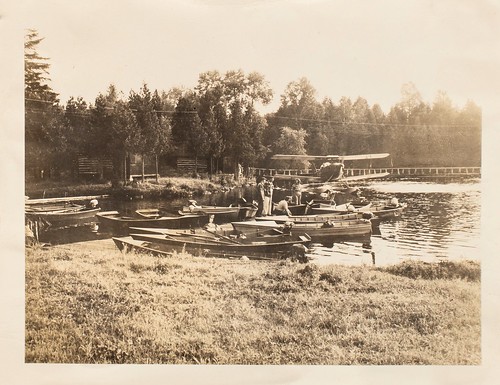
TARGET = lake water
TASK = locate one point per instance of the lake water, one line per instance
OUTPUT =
(441, 222)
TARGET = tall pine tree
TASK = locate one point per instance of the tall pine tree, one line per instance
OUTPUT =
(42, 111)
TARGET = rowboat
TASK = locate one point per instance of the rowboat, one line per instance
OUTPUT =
(53, 208)
(269, 246)
(334, 229)
(222, 213)
(63, 219)
(116, 223)
(315, 217)
(388, 209)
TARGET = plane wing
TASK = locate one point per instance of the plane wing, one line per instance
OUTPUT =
(364, 156)
(304, 157)
(329, 157)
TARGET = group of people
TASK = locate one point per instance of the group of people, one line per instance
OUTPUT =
(265, 189)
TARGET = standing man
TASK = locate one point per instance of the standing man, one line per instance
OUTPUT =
(271, 187)
(260, 196)
(268, 196)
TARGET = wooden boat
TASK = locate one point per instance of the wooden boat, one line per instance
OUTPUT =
(222, 214)
(53, 208)
(84, 198)
(315, 217)
(379, 209)
(268, 246)
(113, 221)
(334, 229)
(63, 219)
(206, 231)
(209, 210)
(256, 227)
(388, 209)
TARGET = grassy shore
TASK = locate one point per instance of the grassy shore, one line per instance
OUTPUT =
(166, 187)
(97, 305)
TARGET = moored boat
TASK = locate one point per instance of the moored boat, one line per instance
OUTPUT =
(113, 221)
(63, 219)
(316, 217)
(334, 229)
(387, 209)
(53, 208)
(268, 246)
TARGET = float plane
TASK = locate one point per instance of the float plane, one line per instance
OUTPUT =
(331, 169)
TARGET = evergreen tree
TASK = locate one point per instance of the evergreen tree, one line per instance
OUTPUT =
(42, 112)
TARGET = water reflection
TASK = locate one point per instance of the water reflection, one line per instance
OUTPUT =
(442, 221)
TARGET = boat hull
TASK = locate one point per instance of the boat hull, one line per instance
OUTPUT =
(380, 210)
(334, 229)
(113, 221)
(60, 220)
(266, 247)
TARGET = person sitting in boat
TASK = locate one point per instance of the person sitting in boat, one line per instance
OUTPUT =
(211, 226)
(328, 224)
(329, 195)
(394, 202)
(282, 207)
(93, 204)
(192, 205)
(287, 228)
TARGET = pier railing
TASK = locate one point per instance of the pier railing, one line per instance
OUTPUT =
(416, 171)
(394, 171)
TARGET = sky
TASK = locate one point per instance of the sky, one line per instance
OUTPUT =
(344, 48)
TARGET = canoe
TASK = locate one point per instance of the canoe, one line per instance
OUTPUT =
(271, 246)
(59, 220)
(113, 221)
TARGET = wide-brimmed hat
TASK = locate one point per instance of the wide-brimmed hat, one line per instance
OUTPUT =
(192, 201)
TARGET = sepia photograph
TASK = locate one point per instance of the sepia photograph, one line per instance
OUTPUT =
(250, 192)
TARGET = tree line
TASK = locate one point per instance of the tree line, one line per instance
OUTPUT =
(219, 120)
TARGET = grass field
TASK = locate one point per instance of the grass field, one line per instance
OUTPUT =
(97, 305)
